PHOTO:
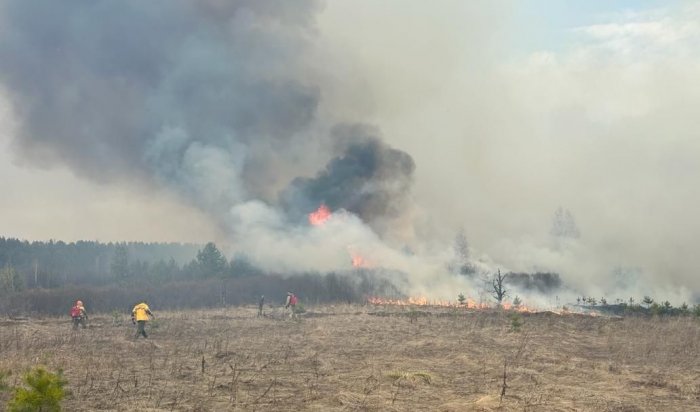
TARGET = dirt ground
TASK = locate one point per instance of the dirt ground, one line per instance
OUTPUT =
(364, 358)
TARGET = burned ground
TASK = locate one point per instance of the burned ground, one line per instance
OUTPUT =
(365, 358)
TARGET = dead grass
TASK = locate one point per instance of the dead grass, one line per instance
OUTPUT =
(365, 358)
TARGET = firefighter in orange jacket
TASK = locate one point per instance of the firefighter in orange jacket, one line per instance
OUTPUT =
(140, 315)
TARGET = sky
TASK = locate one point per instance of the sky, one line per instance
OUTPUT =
(508, 110)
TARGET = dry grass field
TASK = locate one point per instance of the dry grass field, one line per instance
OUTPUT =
(365, 358)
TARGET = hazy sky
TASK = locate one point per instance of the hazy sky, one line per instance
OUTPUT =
(510, 110)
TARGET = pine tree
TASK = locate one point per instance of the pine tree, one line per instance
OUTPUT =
(10, 280)
(211, 261)
(119, 266)
(44, 392)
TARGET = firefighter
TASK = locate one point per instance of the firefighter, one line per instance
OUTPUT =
(291, 303)
(79, 315)
(140, 315)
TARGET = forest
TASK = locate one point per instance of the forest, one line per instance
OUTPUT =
(45, 277)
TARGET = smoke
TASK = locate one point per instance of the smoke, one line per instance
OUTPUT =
(200, 97)
(535, 110)
(258, 111)
(219, 102)
(189, 95)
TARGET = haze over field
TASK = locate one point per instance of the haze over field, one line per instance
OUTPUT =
(560, 138)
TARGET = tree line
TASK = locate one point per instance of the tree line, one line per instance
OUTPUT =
(46, 277)
(55, 264)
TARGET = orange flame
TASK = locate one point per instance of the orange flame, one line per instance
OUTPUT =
(517, 308)
(358, 261)
(418, 301)
(411, 301)
(320, 215)
(423, 301)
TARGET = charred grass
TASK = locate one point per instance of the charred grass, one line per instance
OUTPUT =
(364, 358)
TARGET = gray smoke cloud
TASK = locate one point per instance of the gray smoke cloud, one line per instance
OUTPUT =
(210, 98)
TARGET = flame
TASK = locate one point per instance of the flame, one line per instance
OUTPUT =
(320, 215)
(418, 301)
(411, 301)
(358, 261)
(423, 301)
(517, 308)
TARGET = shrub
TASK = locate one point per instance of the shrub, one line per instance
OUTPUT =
(116, 318)
(44, 392)
(633, 308)
(516, 321)
(3, 385)
(299, 308)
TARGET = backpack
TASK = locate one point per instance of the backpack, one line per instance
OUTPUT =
(75, 312)
(293, 300)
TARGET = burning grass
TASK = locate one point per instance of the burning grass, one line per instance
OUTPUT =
(365, 358)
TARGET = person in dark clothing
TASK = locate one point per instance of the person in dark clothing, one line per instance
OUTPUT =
(261, 303)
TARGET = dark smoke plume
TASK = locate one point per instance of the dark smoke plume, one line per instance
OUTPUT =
(368, 178)
(210, 98)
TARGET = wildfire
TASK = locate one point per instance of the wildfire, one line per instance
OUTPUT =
(419, 301)
(423, 301)
(518, 308)
(320, 215)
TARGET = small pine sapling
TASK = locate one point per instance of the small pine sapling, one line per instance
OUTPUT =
(44, 392)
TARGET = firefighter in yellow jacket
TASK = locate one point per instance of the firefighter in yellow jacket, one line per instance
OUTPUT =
(140, 315)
